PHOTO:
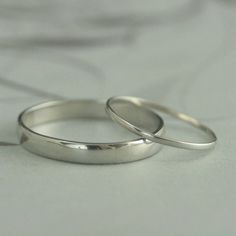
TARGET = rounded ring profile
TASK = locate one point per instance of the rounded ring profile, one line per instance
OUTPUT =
(153, 106)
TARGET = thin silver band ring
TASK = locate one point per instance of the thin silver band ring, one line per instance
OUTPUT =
(145, 104)
(80, 152)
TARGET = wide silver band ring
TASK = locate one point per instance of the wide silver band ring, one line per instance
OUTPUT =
(145, 104)
(74, 151)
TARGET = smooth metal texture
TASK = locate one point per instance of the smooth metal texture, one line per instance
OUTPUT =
(80, 152)
(153, 106)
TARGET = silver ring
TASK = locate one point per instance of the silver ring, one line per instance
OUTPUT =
(145, 104)
(80, 152)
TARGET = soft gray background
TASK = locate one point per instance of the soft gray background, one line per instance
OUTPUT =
(181, 53)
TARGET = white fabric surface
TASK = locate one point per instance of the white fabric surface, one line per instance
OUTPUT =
(180, 53)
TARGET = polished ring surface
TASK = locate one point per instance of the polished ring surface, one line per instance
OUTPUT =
(145, 104)
(80, 152)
